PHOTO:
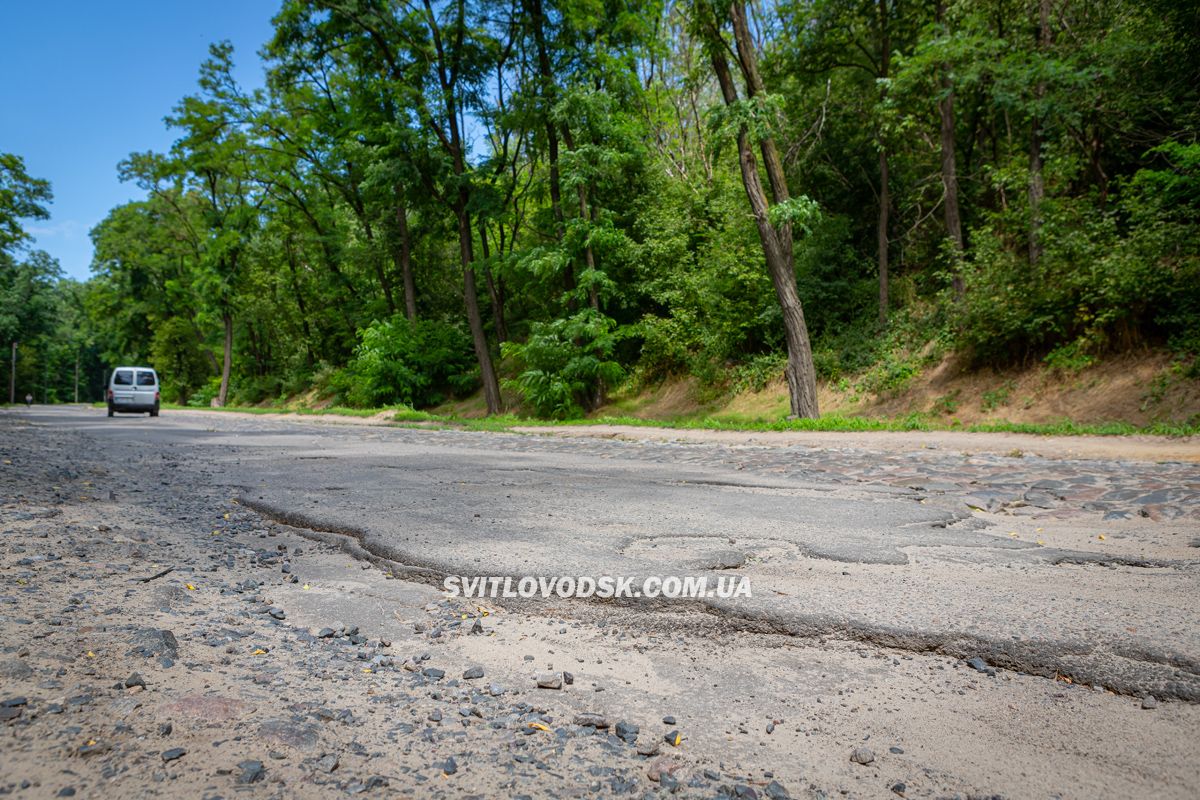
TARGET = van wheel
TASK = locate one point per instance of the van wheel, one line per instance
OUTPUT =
(110, 411)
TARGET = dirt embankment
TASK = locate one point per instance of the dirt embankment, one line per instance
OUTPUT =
(1137, 388)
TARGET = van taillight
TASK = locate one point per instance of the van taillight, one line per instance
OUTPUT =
(110, 394)
(156, 396)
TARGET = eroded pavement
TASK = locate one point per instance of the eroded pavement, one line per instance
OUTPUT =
(1070, 585)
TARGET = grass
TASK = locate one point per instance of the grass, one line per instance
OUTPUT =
(404, 416)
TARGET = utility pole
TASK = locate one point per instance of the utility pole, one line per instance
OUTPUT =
(76, 376)
(12, 375)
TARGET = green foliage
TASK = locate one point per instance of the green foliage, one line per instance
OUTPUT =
(176, 357)
(415, 363)
(21, 197)
(1105, 279)
(564, 363)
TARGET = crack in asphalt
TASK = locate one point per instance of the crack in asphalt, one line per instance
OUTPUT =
(1165, 674)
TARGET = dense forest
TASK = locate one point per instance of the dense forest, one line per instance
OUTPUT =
(543, 200)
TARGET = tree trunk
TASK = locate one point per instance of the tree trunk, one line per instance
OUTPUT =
(291, 259)
(801, 376)
(385, 283)
(950, 170)
(881, 234)
(748, 63)
(494, 286)
(885, 189)
(410, 286)
(227, 363)
(1037, 185)
(487, 373)
(537, 16)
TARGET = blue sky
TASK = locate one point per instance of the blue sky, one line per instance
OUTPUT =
(87, 82)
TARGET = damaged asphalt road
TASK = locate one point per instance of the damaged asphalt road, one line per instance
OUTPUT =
(900, 598)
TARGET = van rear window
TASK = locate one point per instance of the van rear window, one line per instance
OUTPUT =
(124, 377)
(145, 379)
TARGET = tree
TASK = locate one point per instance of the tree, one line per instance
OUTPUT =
(774, 224)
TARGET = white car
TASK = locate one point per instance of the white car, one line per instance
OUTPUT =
(133, 390)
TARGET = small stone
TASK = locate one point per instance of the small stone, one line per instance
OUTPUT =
(897, 750)
(1148, 702)
(775, 791)
(899, 788)
(862, 755)
(328, 763)
(627, 732)
(252, 772)
(433, 673)
(15, 669)
(668, 720)
(663, 765)
(450, 766)
(592, 720)
(173, 754)
(549, 680)
(978, 664)
(135, 680)
(325, 633)
(648, 749)
(471, 673)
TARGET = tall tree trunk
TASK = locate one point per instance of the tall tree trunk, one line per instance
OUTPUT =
(537, 14)
(304, 325)
(950, 169)
(410, 286)
(801, 376)
(885, 196)
(1037, 185)
(227, 363)
(381, 275)
(487, 372)
(495, 286)
(748, 63)
(881, 233)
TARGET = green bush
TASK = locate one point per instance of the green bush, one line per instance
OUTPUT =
(202, 397)
(415, 363)
(565, 362)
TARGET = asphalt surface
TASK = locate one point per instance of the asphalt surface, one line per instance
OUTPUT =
(1084, 570)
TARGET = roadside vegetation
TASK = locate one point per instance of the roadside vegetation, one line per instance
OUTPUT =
(544, 208)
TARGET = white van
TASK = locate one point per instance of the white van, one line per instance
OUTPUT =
(133, 390)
